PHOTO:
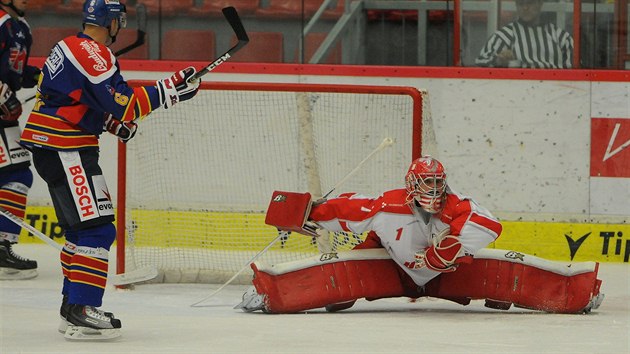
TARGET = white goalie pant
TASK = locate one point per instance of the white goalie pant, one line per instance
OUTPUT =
(501, 277)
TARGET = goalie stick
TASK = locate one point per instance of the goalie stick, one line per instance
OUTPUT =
(141, 17)
(241, 35)
(385, 143)
(135, 276)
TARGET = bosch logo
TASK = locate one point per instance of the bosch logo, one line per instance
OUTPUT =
(82, 190)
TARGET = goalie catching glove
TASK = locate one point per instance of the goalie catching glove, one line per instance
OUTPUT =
(444, 256)
(123, 130)
(177, 88)
(10, 106)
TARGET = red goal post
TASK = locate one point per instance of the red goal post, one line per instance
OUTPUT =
(194, 183)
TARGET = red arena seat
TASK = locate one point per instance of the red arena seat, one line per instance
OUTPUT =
(165, 8)
(292, 8)
(197, 45)
(126, 37)
(214, 7)
(44, 38)
(312, 41)
(263, 47)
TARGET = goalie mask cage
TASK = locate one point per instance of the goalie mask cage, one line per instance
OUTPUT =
(196, 180)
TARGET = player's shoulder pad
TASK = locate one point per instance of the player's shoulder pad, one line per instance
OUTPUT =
(4, 17)
(94, 60)
(394, 201)
(23, 21)
(455, 205)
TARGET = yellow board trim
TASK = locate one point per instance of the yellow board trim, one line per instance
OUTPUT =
(157, 228)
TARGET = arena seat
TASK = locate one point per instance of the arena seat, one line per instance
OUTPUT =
(44, 38)
(71, 7)
(293, 9)
(312, 41)
(214, 7)
(196, 45)
(263, 47)
(41, 6)
(126, 37)
(168, 8)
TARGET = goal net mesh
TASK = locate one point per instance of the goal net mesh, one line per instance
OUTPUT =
(201, 174)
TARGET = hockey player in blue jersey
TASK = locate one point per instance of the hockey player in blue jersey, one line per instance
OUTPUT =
(16, 177)
(81, 93)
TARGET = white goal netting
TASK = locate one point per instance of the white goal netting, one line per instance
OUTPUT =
(200, 175)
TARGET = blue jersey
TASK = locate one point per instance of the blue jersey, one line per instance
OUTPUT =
(15, 47)
(79, 84)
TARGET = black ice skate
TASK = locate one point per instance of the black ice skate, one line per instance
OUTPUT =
(63, 313)
(13, 266)
(89, 323)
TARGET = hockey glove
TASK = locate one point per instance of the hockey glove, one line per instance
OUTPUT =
(444, 256)
(10, 106)
(177, 88)
(123, 130)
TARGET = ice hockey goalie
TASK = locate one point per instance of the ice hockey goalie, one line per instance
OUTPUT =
(423, 240)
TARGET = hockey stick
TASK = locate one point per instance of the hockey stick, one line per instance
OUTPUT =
(385, 143)
(135, 276)
(141, 16)
(241, 35)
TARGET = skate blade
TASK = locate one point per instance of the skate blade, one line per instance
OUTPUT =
(17, 274)
(63, 326)
(251, 304)
(77, 333)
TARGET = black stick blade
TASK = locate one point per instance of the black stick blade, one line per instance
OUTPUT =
(235, 22)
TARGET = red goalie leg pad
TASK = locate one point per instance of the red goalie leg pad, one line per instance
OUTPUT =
(288, 211)
(526, 281)
(329, 283)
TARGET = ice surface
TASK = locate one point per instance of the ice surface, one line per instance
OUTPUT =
(159, 319)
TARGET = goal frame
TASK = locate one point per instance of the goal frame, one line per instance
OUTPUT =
(417, 125)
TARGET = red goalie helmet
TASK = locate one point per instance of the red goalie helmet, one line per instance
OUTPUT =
(426, 183)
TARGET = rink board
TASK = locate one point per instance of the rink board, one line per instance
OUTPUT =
(555, 241)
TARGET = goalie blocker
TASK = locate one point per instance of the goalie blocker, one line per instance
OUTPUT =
(502, 278)
(288, 211)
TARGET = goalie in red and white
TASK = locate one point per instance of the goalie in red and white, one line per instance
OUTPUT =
(423, 240)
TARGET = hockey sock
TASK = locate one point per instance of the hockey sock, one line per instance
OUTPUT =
(69, 248)
(14, 187)
(88, 266)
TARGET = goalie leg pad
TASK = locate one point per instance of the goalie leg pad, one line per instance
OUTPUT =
(327, 279)
(507, 277)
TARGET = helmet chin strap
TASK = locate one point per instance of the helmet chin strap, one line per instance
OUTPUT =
(112, 38)
(12, 6)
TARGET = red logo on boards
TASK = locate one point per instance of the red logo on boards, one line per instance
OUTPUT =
(610, 147)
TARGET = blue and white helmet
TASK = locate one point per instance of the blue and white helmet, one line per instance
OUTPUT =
(102, 12)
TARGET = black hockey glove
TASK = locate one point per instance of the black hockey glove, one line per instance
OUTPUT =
(10, 106)
(123, 130)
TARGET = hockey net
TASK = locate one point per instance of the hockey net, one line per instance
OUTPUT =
(196, 180)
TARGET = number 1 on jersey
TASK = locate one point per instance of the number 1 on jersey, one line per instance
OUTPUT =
(398, 233)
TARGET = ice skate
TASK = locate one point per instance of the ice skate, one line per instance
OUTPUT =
(90, 323)
(63, 314)
(594, 304)
(252, 301)
(14, 266)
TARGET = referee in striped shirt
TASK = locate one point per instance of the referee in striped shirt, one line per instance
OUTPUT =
(528, 43)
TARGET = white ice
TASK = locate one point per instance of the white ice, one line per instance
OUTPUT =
(159, 319)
